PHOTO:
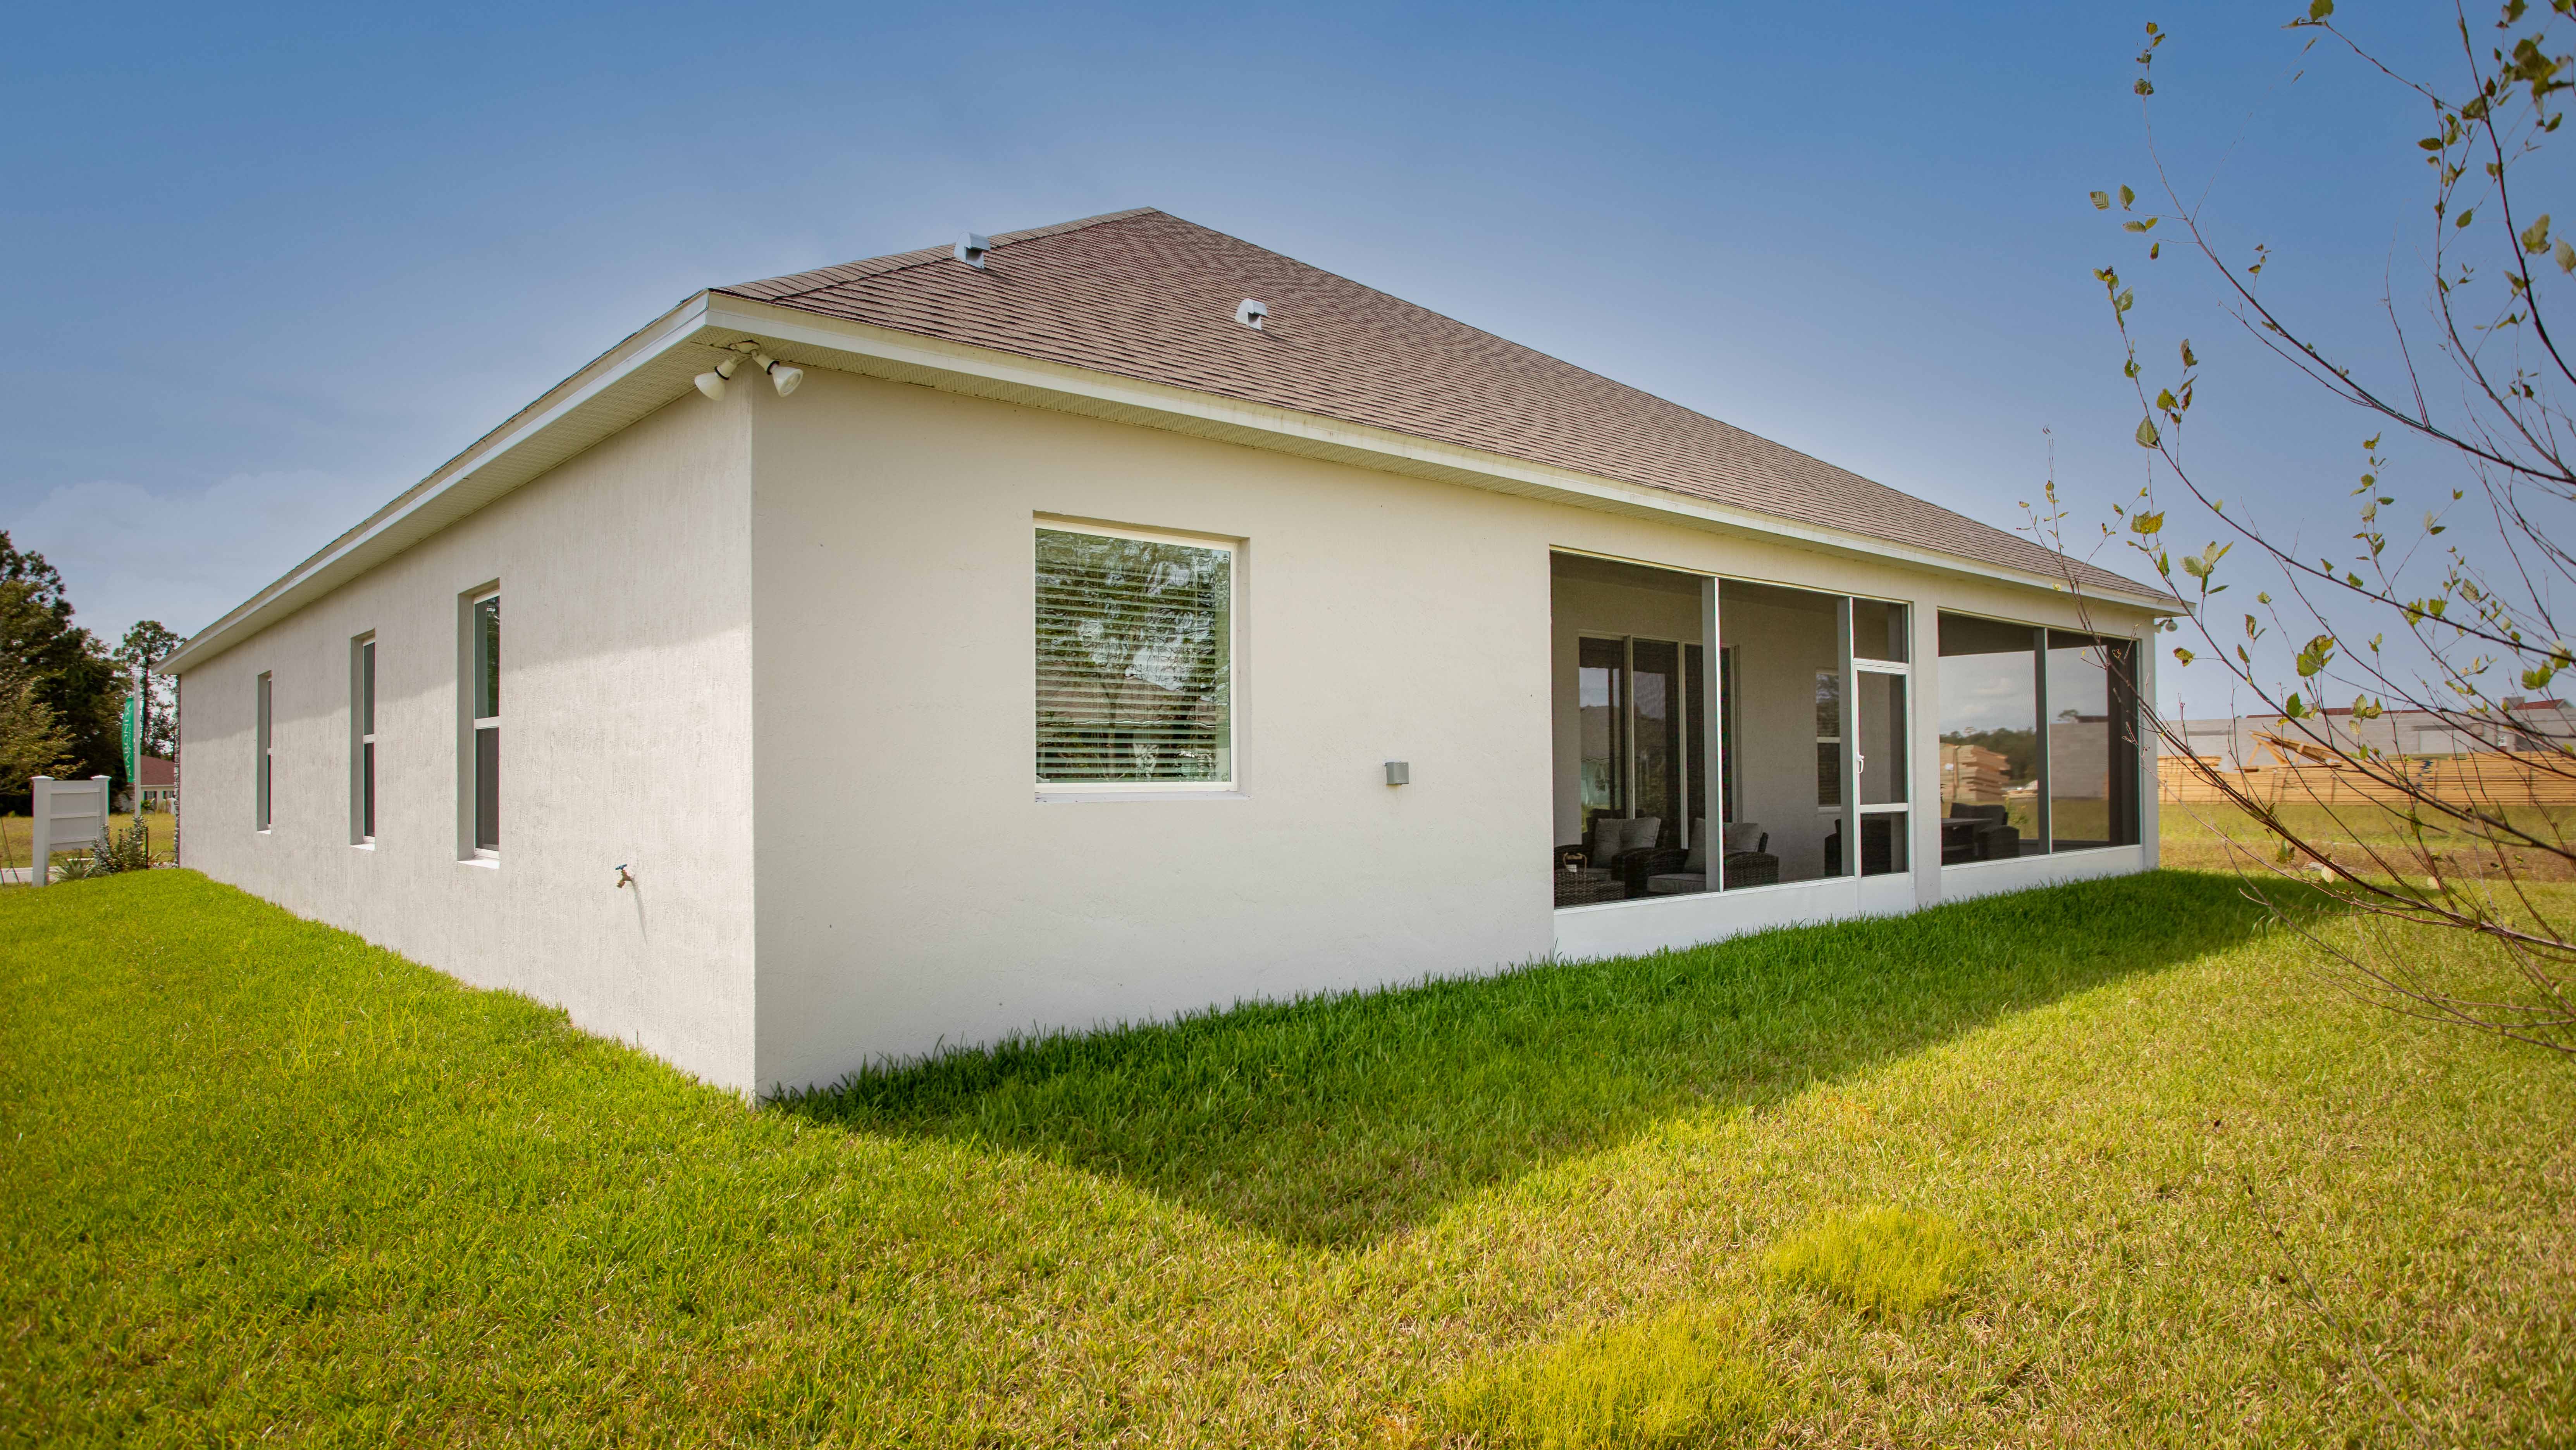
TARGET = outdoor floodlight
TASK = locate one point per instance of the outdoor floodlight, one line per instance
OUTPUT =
(712, 382)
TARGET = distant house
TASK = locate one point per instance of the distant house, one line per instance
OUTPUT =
(160, 783)
(1116, 619)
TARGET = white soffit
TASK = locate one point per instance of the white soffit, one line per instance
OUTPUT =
(655, 365)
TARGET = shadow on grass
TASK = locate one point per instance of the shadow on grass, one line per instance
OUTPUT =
(1337, 1120)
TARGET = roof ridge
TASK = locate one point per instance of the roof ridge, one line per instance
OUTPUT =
(1129, 304)
(816, 279)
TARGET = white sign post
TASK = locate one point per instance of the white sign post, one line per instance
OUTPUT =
(70, 815)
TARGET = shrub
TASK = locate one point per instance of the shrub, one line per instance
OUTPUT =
(1670, 1381)
(126, 850)
(1886, 1263)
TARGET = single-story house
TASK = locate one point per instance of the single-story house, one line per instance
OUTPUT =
(159, 786)
(1116, 619)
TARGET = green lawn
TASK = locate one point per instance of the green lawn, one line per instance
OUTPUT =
(18, 835)
(2107, 1164)
(2206, 838)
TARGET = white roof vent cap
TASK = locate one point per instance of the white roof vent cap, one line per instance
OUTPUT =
(971, 249)
(1251, 313)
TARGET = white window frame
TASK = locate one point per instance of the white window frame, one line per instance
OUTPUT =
(264, 766)
(471, 851)
(1231, 788)
(2044, 765)
(362, 740)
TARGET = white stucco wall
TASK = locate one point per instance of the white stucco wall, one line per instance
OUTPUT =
(626, 656)
(916, 893)
(788, 641)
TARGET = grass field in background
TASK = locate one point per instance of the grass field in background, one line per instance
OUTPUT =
(2199, 837)
(2104, 1164)
(18, 835)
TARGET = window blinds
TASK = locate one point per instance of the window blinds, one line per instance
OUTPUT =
(1134, 660)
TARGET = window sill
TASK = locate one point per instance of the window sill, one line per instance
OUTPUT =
(1128, 797)
(366, 845)
(488, 863)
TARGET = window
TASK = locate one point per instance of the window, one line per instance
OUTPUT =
(1792, 765)
(1135, 661)
(362, 740)
(1990, 791)
(1601, 705)
(1641, 717)
(483, 747)
(262, 766)
(2039, 740)
(2092, 742)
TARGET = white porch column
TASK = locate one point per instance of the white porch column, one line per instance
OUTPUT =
(1923, 690)
(2150, 784)
(1712, 752)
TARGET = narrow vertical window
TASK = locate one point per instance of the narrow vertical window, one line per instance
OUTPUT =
(362, 738)
(484, 621)
(262, 765)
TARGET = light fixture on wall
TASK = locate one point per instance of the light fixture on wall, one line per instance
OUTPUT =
(712, 381)
(785, 377)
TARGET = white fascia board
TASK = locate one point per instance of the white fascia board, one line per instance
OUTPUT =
(656, 364)
(809, 339)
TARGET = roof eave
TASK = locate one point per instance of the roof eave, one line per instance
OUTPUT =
(812, 339)
(655, 364)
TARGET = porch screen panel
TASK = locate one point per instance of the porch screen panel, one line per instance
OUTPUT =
(1990, 740)
(2092, 762)
(1134, 660)
(1661, 723)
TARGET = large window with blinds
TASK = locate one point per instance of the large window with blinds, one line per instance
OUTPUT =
(1135, 660)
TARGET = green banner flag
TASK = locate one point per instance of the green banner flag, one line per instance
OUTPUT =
(133, 739)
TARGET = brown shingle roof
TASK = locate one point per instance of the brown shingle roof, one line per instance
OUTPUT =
(1145, 295)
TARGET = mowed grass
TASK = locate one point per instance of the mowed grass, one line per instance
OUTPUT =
(18, 835)
(2219, 837)
(2169, 1185)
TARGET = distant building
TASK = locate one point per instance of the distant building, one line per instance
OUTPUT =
(2256, 741)
(160, 783)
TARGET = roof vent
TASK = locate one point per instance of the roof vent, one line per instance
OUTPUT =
(1251, 313)
(971, 249)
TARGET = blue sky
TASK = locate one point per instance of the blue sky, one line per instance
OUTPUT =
(273, 268)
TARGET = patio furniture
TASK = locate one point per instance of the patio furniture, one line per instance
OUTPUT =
(1978, 833)
(1588, 888)
(1748, 859)
(1606, 864)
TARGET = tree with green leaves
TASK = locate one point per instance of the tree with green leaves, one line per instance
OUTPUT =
(66, 670)
(32, 741)
(145, 645)
(2402, 622)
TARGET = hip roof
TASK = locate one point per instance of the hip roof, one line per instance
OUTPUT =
(1145, 295)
